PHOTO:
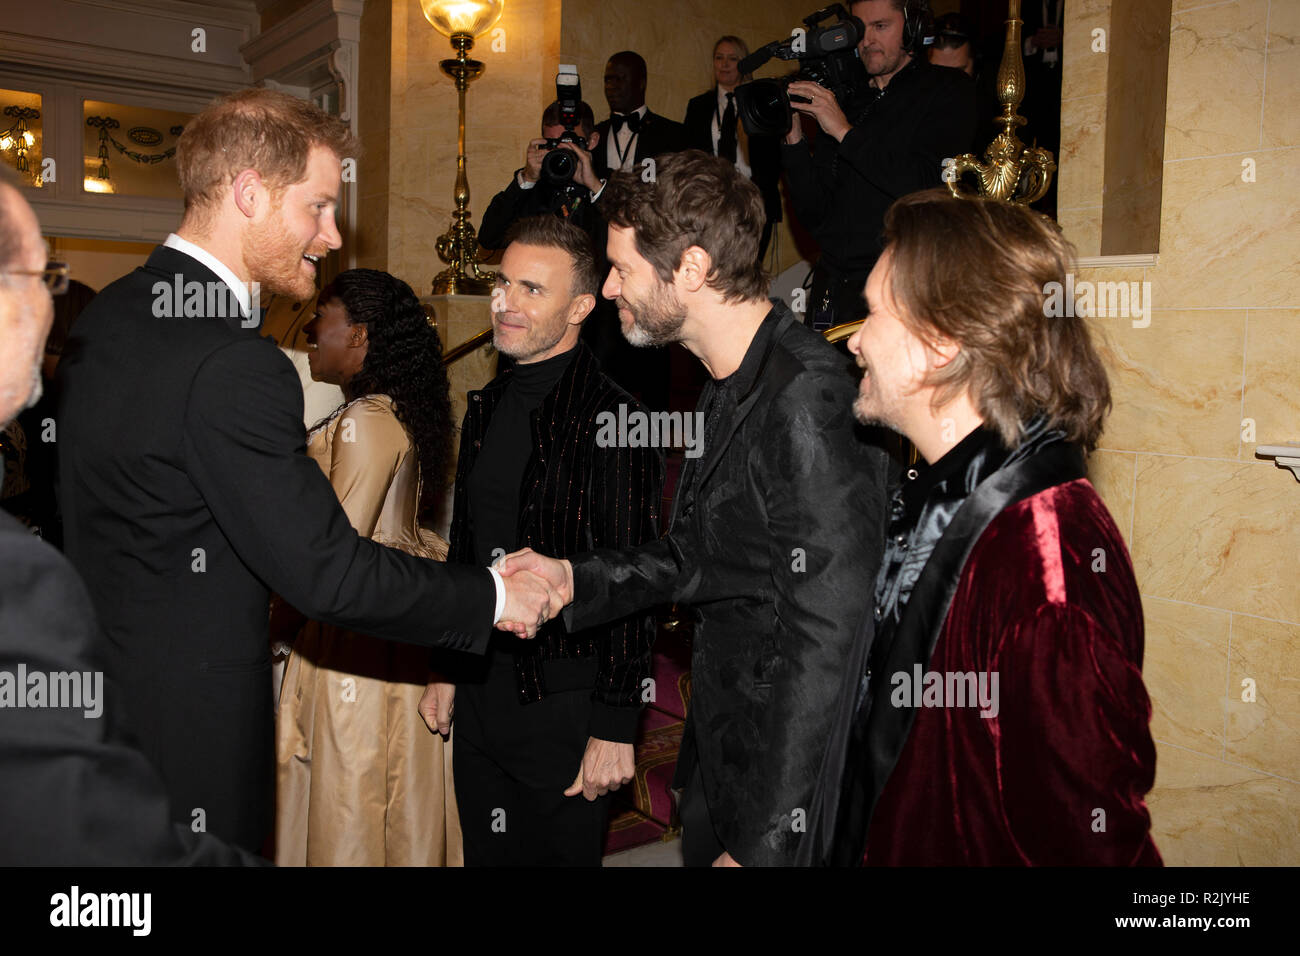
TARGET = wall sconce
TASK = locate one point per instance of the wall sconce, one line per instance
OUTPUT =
(461, 21)
(18, 137)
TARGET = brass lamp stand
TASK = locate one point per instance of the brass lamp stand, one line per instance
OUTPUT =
(458, 246)
(461, 21)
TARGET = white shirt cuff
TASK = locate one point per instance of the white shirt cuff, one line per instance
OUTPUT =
(523, 183)
(501, 595)
(596, 194)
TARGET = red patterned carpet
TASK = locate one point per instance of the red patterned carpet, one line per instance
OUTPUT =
(645, 811)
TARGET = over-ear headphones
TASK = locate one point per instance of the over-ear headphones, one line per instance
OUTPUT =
(918, 25)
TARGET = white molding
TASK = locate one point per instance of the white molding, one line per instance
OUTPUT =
(43, 58)
(1145, 260)
(131, 219)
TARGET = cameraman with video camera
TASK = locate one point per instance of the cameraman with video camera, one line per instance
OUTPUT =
(878, 140)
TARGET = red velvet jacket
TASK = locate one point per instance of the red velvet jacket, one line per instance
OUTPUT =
(1057, 772)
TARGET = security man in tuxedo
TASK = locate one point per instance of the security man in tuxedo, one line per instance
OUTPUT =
(633, 133)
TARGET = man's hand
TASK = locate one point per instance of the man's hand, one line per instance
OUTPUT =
(585, 175)
(557, 575)
(725, 860)
(605, 766)
(437, 706)
(529, 603)
(821, 106)
(533, 157)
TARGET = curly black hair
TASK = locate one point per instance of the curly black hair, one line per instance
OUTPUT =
(403, 361)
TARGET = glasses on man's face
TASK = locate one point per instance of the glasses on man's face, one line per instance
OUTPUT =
(54, 275)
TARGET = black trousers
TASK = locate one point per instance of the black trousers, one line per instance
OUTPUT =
(700, 846)
(512, 763)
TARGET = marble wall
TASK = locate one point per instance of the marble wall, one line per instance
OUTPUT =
(1214, 532)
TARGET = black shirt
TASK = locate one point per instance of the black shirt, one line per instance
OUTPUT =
(496, 482)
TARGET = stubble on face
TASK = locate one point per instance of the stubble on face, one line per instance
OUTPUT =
(656, 321)
(274, 257)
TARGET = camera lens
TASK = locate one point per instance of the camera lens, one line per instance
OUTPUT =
(559, 165)
(764, 107)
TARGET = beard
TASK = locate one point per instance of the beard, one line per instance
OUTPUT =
(275, 259)
(658, 321)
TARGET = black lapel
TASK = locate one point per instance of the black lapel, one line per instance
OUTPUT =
(746, 404)
(927, 608)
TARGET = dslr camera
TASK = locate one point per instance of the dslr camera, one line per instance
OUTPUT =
(827, 55)
(559, 165)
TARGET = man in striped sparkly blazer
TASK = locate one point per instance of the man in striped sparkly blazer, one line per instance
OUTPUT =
(545, 728)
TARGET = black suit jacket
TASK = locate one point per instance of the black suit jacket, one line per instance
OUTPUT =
(657, 135)
(576, 495)
(73, 790)
(187, 495)
(776, 535)
(764, 151)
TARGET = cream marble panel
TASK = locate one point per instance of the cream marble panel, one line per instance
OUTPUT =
(1082, 160)
(1082, 227)
(1265, 733)
(1085, 71)
(1225, 243)
(1185, 670)
(1272, 387)
(1176, 384)
(1217, 533)
(1111, 473)
(1216, 79)
(1281, 121)
(1205, 812)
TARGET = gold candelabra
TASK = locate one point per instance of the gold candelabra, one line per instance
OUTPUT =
(1012, 171)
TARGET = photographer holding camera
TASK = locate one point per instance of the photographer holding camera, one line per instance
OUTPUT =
(877, 141)
(548, 184)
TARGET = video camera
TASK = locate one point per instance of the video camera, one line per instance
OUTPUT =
(559, 165)
(827, 55)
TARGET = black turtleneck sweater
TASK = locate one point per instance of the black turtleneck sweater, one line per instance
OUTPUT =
(496, 482)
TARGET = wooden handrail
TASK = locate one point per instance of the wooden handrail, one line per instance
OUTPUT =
(473, 343)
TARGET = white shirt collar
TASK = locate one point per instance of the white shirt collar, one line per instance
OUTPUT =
(222, 271)
(722, 99)
(639, 111)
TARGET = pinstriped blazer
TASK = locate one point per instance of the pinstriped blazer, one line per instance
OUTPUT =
(575, 496)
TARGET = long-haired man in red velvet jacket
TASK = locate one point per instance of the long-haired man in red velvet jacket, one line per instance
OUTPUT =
(998, 716)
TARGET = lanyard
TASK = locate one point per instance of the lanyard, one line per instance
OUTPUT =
(622, 153)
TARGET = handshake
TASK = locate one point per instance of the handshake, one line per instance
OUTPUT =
(537, 589)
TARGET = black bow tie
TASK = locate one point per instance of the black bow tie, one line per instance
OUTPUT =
(631, 120)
